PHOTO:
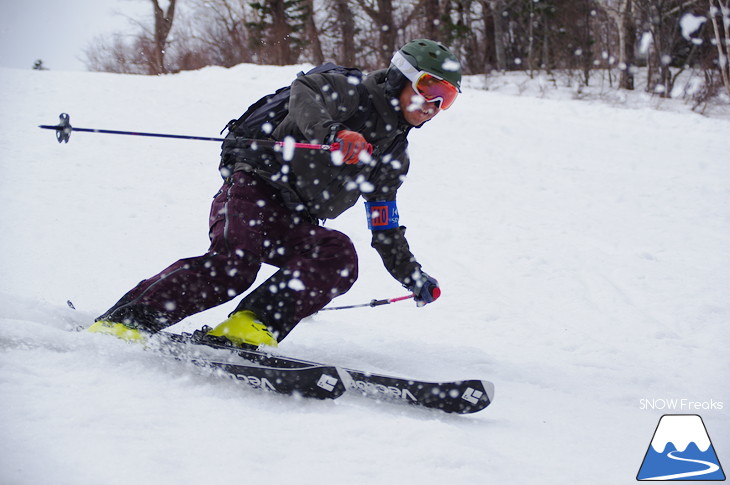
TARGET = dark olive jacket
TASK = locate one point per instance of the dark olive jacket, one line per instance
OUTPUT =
(315, 182)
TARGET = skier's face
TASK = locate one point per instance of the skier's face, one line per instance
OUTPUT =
(416, 110)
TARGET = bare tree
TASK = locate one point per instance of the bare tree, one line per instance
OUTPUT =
(279, 33)
(382, 16)
(626, 43)
(221, 28)
(547, 35)
(279, 29)
(721, 9)
(143, 54)
(312, 34)
(345, 25)
(661, 39)
(114, 54)
(163, 25)
(500, 38)
(432, 13)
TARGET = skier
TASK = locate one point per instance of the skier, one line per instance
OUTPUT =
(269, 207)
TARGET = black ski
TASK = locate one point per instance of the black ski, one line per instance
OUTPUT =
(315, 381)
(460, 397)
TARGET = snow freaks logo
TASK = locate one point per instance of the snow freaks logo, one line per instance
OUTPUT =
(681, 450)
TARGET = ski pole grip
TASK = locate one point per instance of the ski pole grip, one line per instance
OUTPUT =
(63, 129)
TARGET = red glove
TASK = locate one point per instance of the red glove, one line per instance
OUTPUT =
(351, 143)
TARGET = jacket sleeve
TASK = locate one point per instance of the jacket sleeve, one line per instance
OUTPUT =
(319, 103)
(392, 246)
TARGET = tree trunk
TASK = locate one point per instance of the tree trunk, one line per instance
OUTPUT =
(388, 31)
(497, 7)
(279, 33)
(432, 14)
(163, 25)
(313, 34)
(722, 37)
(347, 28)
(627, 44)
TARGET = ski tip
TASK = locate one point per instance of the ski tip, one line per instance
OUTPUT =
(489, 390)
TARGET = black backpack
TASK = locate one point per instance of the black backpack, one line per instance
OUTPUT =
(262, 117)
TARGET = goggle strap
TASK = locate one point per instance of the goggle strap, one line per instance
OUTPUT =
(405, 67)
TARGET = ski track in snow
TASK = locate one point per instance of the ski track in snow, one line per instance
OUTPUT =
(583, 251)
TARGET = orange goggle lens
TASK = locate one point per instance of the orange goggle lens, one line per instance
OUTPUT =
(434, 89)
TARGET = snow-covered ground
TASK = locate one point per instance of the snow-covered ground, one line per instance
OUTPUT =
(583, 251)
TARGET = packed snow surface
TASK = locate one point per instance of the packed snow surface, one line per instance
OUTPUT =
(583, 250)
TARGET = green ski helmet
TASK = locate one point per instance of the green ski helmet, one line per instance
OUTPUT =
(431, 57)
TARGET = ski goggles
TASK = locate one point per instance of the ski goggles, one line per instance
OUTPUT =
(431, 87)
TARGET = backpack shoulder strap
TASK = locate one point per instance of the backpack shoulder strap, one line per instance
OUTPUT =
(356, 121)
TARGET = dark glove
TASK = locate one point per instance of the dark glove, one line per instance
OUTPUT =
(425, 289)
(351, 143)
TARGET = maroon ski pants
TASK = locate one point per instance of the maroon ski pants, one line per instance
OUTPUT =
(248, 227)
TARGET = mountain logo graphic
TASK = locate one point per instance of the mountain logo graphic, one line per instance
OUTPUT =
(680, 450)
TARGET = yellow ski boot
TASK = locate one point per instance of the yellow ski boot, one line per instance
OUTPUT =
(243, 329)
(119, 330)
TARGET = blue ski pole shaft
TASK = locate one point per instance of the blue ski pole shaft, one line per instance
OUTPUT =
(63, 133)
(134, 133)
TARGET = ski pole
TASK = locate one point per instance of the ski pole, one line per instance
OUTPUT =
(387, 301)
(64, 129)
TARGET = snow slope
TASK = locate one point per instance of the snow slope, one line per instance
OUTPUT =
(583, 251)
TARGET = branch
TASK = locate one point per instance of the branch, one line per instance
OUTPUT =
(723, 58)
